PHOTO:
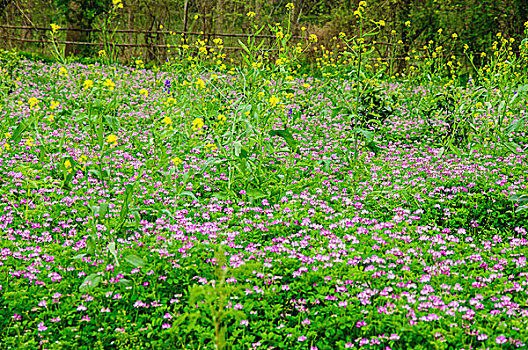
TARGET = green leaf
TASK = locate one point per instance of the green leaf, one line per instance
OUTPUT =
(255, 193)
(512, 146)
(521, 208)
(123, 282)
(112, 249)
(137, 217)
(189, 194)
(287, 136)
(336, 111)
(455, 150)
(90, 282)
(17, 134)
(519, 198)
(103, 210)
(90, 245)
(515, 126)
(135, 260)
(238, 148)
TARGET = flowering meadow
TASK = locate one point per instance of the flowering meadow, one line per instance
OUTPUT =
(255, 207)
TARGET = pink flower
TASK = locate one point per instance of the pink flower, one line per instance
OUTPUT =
(501, 339)
(41, 327)
(244, 323)
(302, 338)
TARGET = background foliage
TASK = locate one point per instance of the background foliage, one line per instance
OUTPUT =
(414, 22)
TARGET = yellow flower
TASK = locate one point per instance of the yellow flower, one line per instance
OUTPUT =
(54, 104)
(33, 102)
(200, 83)
(454, 35)
(161, 26)
(196, 17)
(290, 6)
(67, 164)
(51, 117)
(313, 38)
(381, 23)
(167, 120)
(111, 139)
(303, 29)
(210, 147)
(54, 28)
(440, 31)
(362, 3)
(83, 159)
(408, 23)
(143, 92)
(176, 161)
(7, 135)
(63, 70)
(88, 84)
(102, 53)
(109, 84)
(198, 123)
(251, 14)
(274, 100)
(221, 118)
(30, 142)
(306, 85)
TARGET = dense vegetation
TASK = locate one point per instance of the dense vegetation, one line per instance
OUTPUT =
(204, 205)
(412, 22)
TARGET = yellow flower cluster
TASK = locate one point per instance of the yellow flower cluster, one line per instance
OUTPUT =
(33, 103)
(176, 161)
(54, 28)
(112, 139)
(88, 84)
(198, 123)
(109, 84)
(118, 4)
(167, 120)
(274, 100)
(360, 9)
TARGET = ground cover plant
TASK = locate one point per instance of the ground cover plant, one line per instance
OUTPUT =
(204, 206)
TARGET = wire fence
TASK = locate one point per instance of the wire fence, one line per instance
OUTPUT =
(156, 50)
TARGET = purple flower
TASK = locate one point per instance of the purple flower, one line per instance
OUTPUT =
(360, 324)
(501, 339)
(244, 323)
(41, 327)
(302, 338)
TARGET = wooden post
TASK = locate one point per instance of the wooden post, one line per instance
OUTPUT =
(185, 17)
(220, 17)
